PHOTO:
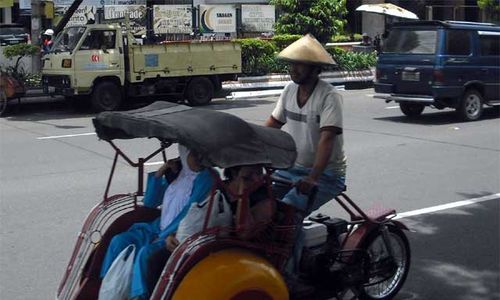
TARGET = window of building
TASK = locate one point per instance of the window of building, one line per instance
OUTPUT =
(458, 42)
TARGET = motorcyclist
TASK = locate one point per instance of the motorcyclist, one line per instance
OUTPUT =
(47, 40)
(310, 110)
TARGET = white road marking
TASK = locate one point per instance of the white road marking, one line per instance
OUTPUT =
(64, 136)
(436, 208)
(392, 107)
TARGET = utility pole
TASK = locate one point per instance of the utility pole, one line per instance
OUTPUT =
(36, 27)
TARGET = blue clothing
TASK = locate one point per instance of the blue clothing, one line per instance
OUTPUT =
(147, 237)
(329, 186)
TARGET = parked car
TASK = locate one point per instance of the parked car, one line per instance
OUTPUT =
(11, 34)
(440, 64)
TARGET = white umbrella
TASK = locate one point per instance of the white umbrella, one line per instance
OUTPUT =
(388, 9)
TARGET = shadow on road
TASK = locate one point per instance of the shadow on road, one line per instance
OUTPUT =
(441, 117)
(455, 254)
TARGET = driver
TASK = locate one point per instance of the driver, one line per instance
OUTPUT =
(310, 110)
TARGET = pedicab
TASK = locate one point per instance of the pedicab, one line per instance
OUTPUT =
(368, 255)
(10, 88)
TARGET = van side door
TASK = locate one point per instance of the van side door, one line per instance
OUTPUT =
(459, 65)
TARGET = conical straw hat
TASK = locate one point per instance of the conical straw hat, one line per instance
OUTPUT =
(307, 50)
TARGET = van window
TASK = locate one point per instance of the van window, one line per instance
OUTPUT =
(489, 45)
(98, 39)
(458, 42)
(402, 40)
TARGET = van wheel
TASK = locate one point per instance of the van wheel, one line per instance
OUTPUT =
(106, 96)
(471, 106)
(200, 91)
(411, 110)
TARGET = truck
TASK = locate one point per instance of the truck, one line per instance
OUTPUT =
(106, 64)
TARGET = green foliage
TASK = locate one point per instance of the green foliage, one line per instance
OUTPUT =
(20, 51)
(492, 9)
(357, 37)
(351, 61)
(257, 56)
(321, 18)
(284, 40)
(347, 38)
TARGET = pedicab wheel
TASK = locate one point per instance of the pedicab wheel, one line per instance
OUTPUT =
(3, 103)
(386, 284)
(200, 91)
(232, 274)
(471, 106)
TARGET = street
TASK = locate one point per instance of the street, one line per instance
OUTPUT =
(53, 169)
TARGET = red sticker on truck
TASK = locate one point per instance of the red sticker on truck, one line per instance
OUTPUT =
(95, 58)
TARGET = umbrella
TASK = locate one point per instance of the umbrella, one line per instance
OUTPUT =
(388, 9)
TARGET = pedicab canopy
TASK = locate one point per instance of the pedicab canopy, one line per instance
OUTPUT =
(222, 139)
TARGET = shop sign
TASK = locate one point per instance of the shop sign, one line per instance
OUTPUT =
(217, 18)
(172, 19)
(257, 18)
(136, 13)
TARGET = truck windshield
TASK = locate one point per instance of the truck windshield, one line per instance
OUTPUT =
(67, 39)
(401, 40)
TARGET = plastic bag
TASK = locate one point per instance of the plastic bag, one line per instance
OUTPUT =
(116, 283)
(192, 223)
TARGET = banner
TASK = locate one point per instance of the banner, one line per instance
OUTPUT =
(136, 13)
(217, 18)
(257, 18)
(83, 15)
(172, 19)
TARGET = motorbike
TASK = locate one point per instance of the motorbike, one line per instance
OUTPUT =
(365, 257)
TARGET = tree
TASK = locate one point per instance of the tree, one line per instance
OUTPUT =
(19, 51)
(491, 8)
(321, 18)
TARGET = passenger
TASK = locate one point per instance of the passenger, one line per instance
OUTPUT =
(254, 218)
(192, 184)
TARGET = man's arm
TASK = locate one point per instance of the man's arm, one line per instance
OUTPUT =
(272, 122)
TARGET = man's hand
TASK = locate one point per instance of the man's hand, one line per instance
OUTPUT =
(171, 164)
(306, 184)
(171, 243)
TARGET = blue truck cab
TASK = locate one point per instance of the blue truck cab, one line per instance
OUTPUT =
(440, 64)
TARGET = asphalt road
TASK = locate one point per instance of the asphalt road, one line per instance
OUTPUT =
(53, 170)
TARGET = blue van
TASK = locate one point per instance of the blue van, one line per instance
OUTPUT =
(440, 64)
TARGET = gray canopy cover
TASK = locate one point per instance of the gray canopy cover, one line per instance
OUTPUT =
(223, 140)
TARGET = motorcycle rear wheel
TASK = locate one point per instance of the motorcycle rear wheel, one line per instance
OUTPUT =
(387, 286)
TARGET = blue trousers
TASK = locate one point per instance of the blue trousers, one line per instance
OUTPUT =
(329, 186)
(144, 237)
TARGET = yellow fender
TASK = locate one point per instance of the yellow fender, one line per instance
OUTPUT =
(232, 274)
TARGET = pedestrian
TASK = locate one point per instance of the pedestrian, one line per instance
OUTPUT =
(310, 110)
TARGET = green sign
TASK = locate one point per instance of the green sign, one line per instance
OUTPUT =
(6, 3)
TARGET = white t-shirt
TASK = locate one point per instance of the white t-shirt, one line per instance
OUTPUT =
(178, 192)
(322, 109)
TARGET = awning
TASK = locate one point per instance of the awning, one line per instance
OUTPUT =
(387, 9)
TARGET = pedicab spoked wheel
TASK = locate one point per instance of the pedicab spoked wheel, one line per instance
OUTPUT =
(385, 284)
(3, 103)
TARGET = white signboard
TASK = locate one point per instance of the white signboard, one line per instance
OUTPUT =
(257, 18)
(217, 18)
(172, 19)
(136, 14)
(82, 15)
(24, 4)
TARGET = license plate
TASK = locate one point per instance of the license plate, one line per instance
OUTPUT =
(410, 76)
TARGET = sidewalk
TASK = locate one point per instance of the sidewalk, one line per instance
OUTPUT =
(270, 85)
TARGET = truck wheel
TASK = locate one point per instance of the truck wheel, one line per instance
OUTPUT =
(471, 106)
(200, 91)
(411, 110)
(106, 96)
